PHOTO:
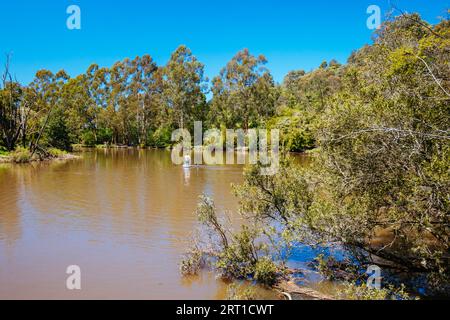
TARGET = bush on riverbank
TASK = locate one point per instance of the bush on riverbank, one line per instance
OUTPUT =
(353, 291)
(89, 139)
(238, 255)
(56, 153)
(161, 138)
(296, 132)
(3, 151)
(21, 155)
(382, 168)
(24, 155)
(237, 292)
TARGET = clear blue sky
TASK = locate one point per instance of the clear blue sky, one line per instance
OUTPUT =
(293, 34)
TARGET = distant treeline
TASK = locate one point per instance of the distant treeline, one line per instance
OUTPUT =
(138, 103)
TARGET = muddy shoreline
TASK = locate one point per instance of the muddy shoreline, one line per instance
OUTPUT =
(10, 159)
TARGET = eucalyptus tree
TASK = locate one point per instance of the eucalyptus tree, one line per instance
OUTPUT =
(46, 91)
(244, 92)
(144, 93)
(12, 114)
(184, 87)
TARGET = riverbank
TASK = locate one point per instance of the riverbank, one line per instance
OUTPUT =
(80, 148)
(22, 155)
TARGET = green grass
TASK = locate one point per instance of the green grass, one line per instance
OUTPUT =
(21, 155)
(4, 152)
(54, 152)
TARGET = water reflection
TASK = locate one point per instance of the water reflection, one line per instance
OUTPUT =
(10, 228)
(187, 175)
(124, 216)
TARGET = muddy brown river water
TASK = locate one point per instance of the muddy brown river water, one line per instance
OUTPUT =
(123, 216)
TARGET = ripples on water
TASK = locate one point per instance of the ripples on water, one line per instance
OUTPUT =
(123, 216)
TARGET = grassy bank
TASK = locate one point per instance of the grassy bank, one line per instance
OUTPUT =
(23, 155)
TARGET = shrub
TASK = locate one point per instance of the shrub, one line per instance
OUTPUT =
(57, 133)
(296, 132)
(21, 155)
(192, 263)
(298, 140)
(55, 153)
(3, 151)
(77, 147)
(235, 255)
(239, 258)
(266, 271)
(238, 292)
(89, 139)
(161, 138)
(104, 136)
(353, 291)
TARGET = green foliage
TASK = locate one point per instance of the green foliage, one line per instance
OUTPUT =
(266, 272)
(193, 262)
(3, 151)
(116, 105)
(382, 168)
(104, 136)
(244, 93)
(184, 86)
(161, 138)
(57, 133)
(299, 140)
(352, 291)
(239, 255)
(11, 94)
(296, 130)
(77, 147)
(21, 155)
(379, 147)
(380, 125)
(237, 292)
(88, 139)
(280, 197)
(303, 98)
(238, 259)
(56, 153)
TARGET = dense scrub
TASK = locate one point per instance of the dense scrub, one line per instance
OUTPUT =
(379, 185)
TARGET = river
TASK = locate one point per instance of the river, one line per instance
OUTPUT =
(123, 216)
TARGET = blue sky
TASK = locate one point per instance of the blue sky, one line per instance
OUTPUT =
(291, 34)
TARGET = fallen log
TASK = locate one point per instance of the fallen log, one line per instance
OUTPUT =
(301, 293)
